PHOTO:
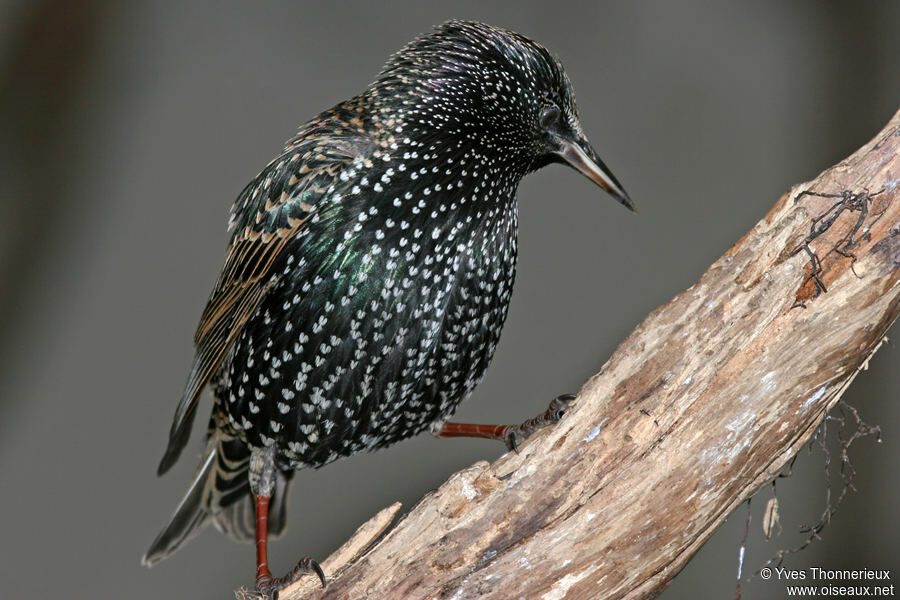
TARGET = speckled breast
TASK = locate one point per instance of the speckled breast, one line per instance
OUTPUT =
(359, 345)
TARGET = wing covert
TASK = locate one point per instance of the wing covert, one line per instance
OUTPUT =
(268, 214)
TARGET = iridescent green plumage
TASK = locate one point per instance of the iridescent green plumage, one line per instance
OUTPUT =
(371, 264)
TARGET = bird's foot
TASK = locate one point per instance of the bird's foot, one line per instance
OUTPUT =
(517, 434)
(511, 435)
(269, 586)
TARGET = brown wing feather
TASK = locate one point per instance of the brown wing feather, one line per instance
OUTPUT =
(267, 215)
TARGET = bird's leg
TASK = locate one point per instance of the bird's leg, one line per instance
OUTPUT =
(511, 435)
(262, 483)
(262, 535)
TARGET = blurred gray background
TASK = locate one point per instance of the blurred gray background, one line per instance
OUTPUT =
(129, 128)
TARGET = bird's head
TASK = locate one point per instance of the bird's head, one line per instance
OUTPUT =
(494, 90)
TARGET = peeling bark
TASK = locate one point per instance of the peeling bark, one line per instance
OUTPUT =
(704, 402)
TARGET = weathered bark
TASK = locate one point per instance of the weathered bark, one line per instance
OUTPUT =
(703, 403)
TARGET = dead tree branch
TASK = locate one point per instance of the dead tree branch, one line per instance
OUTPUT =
(702, 404)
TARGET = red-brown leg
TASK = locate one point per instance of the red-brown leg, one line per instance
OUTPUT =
(262, 535)
(511, 435)
(265, 583)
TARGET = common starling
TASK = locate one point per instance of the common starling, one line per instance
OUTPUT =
(368, 276)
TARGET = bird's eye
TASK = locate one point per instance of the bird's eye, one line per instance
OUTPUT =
(549, 116)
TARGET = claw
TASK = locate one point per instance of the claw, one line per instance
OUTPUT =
(266, 588)
(512, 442)
(559, 406)
(269, 586)
(318, 571)
(516, 435)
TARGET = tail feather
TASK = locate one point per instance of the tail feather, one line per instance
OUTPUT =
(188, 519)
(239, 519)
(220, 492)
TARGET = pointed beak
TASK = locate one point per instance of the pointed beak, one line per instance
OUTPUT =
(580, 156)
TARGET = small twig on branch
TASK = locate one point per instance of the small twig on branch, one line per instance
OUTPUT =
(849, 201)
(610, 503)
